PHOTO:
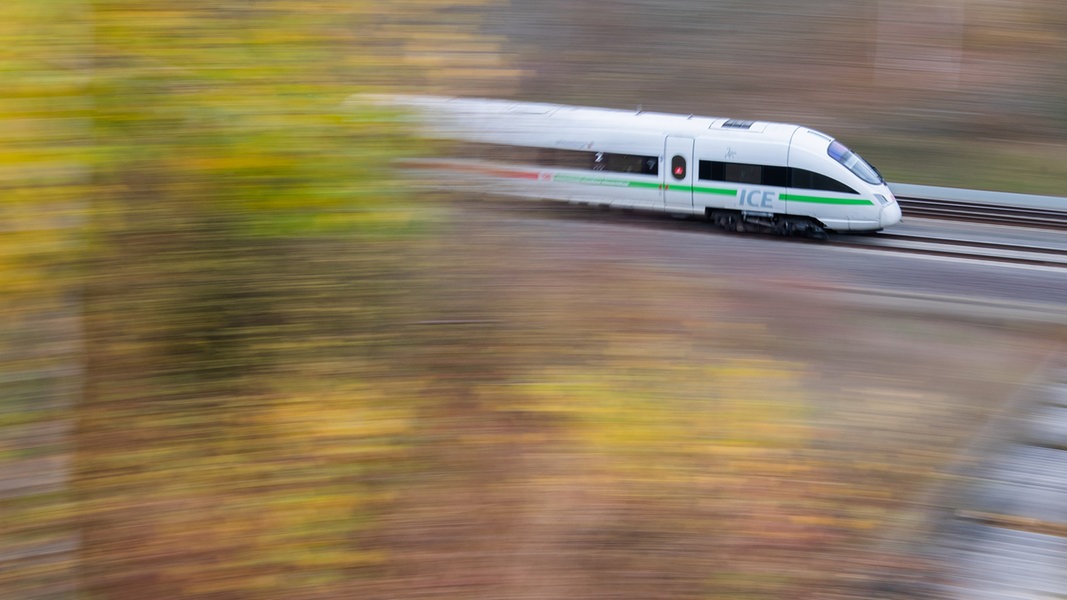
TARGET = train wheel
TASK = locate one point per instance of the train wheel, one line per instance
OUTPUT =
(728, 222)
(818, 233)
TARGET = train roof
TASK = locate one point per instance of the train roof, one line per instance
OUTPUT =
(448, 113)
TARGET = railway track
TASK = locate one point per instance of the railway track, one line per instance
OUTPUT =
(929, 243)
(999, 252)
(975, 212)
(1013, 215)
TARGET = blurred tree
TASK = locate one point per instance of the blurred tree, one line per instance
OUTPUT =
(246, 244)
(248, 406)
(44, 177)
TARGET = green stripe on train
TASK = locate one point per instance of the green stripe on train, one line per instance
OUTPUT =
(585, 179)
(641, 184)
(720, 191)
(824, 200)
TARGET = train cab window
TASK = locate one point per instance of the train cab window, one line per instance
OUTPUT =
(678, 167)
(855, 163)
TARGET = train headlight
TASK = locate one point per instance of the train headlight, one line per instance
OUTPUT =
(882, 200)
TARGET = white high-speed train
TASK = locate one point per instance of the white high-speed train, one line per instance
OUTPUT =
(743, 175)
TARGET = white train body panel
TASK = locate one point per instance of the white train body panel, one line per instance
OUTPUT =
(772, 173)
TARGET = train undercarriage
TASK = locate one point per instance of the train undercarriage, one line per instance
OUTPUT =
(784, 225)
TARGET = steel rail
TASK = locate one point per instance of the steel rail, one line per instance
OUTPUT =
(998, 214)
(981, 206)
(991, 252)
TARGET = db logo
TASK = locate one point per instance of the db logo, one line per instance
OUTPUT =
(545, 176)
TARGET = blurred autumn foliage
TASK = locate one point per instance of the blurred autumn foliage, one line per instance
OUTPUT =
(241, 360)
(247, 259)
(202, 246)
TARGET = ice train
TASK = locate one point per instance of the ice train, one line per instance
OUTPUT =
(740, 174)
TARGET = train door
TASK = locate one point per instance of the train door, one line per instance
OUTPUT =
(677, 174)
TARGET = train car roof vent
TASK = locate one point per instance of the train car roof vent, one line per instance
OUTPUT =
(737, 124)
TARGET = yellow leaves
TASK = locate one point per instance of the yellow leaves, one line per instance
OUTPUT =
(39, 251)
(629, 416)
(230, 163)
(736, 387)
(236, 108)
(274, 486)
(43, 134)
(198, 145)
(350, 419)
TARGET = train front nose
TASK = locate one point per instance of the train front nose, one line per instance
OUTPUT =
(890, 214)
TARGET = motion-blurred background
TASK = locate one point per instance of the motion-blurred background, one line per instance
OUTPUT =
(242, 359)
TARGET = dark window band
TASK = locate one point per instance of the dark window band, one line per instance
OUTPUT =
(770, 175)
(613, 162)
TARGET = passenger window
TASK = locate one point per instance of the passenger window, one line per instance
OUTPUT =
(650, 166)
(776, 176)
(809, 180)
(625, 163)
(744, 173)
(712, 170)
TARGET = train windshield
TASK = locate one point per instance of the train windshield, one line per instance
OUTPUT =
(853, 162)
